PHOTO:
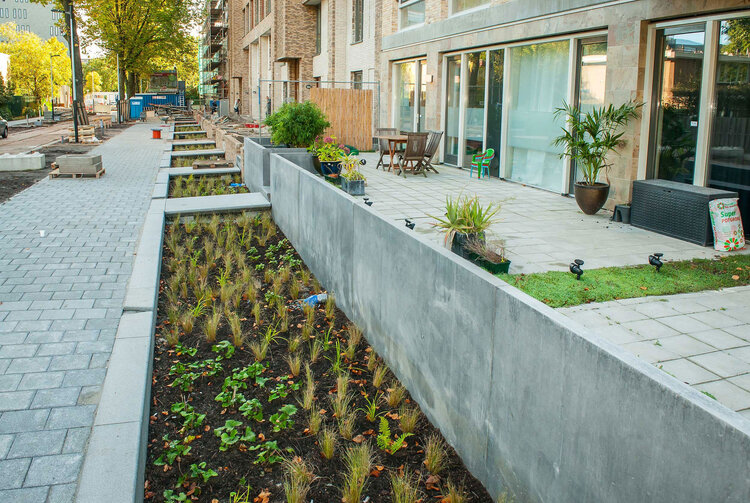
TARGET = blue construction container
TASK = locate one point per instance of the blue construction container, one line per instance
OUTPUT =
(151, 99)
(136, 107)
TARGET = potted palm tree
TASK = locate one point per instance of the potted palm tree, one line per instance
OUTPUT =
(589, 138)
(465, 220)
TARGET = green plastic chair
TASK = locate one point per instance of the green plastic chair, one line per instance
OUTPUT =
(481, 162)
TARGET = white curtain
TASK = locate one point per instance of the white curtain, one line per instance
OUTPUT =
(539, 84)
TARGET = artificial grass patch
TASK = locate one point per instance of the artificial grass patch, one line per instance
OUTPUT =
(560, 289)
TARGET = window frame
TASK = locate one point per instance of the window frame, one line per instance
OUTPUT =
(406, 4)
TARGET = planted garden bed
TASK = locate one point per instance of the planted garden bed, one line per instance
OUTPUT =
(185, 161)
(205, 185)
(190, 135)
(197, 146)
(258, 394)
(187, 127)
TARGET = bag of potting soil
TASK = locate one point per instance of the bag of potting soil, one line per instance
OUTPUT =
(727, 224)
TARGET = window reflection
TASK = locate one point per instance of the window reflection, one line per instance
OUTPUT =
(680, 69)
(729, 154)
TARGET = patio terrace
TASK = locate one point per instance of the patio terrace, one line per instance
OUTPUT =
(542, 231)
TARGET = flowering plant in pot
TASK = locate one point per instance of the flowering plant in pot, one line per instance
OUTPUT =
(465, 220)
(352, 179)
(489, 255)
(589, 138)
(327, 155)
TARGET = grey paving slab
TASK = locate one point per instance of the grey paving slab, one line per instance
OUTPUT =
(699, 338)
(51, 322)
(230, 202)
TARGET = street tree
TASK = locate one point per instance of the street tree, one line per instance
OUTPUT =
(93, 82)
(137, 31)
(106, 67)
(31, 61)
(68, 6)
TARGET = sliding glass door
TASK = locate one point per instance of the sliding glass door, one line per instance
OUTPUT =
(495, 107)
(453, 104)
(538, 84)
(677, 89)
(411, 95)
(476, 77)
(591, 76)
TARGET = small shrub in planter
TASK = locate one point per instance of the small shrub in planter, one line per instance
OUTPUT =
(465, 219)
(352, 180)
(297, 124)
(489, 255)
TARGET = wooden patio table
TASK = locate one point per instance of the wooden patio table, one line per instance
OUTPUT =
(393, 140)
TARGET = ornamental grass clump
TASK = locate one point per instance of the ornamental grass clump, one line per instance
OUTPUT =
(238, 337)
(465, 215)
(405, 487)
(407, 418)
(379, 375)
(314, 420)
(327, 442)
(358, 461)
(395, 395)
(211, 326)
(435, 455)
(297, 480)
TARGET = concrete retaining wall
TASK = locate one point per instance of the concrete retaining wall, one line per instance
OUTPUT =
(530, 400)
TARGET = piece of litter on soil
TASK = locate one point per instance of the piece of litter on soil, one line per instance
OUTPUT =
(313, 300)
(42, 233)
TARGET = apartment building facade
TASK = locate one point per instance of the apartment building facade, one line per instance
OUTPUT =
(291, 46)
(491, 73)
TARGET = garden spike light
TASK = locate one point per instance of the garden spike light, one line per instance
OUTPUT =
(575, 268)
(655, 260)
(409, 224)
(367, 201)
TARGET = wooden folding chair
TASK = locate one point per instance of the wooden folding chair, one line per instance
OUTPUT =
(433, 141)
(412, 158)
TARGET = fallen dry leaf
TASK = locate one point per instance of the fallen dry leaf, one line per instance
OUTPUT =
(643, 287)
(735, 277)
(432, 483)
(262, 497)
(358, 439)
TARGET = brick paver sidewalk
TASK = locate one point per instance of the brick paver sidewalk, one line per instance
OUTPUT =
(61, 301)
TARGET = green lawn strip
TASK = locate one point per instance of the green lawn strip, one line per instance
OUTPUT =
(560, 289)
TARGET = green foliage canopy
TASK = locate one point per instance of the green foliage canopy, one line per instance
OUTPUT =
(297, 124)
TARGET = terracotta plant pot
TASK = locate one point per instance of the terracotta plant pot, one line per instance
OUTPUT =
(591, 198)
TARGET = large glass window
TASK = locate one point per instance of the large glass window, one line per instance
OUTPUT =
(357, 20)
(459, 5)
(677, 93)
(406, 87)
(495, 107)
(538, 84)
(729, 152)
(411, 12)
(453, 102)
(476, 76)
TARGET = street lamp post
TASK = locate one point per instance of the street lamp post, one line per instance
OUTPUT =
(52, 83)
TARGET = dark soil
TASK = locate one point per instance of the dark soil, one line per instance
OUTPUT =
(239, 466)
(13, 182)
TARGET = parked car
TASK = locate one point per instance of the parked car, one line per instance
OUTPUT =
(3, 127)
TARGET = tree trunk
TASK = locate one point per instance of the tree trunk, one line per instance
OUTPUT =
(122, 80)
(131, 83)
(76, 48)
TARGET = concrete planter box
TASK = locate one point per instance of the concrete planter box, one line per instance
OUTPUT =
(257, 165)
(22, 162)
(354, 187)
